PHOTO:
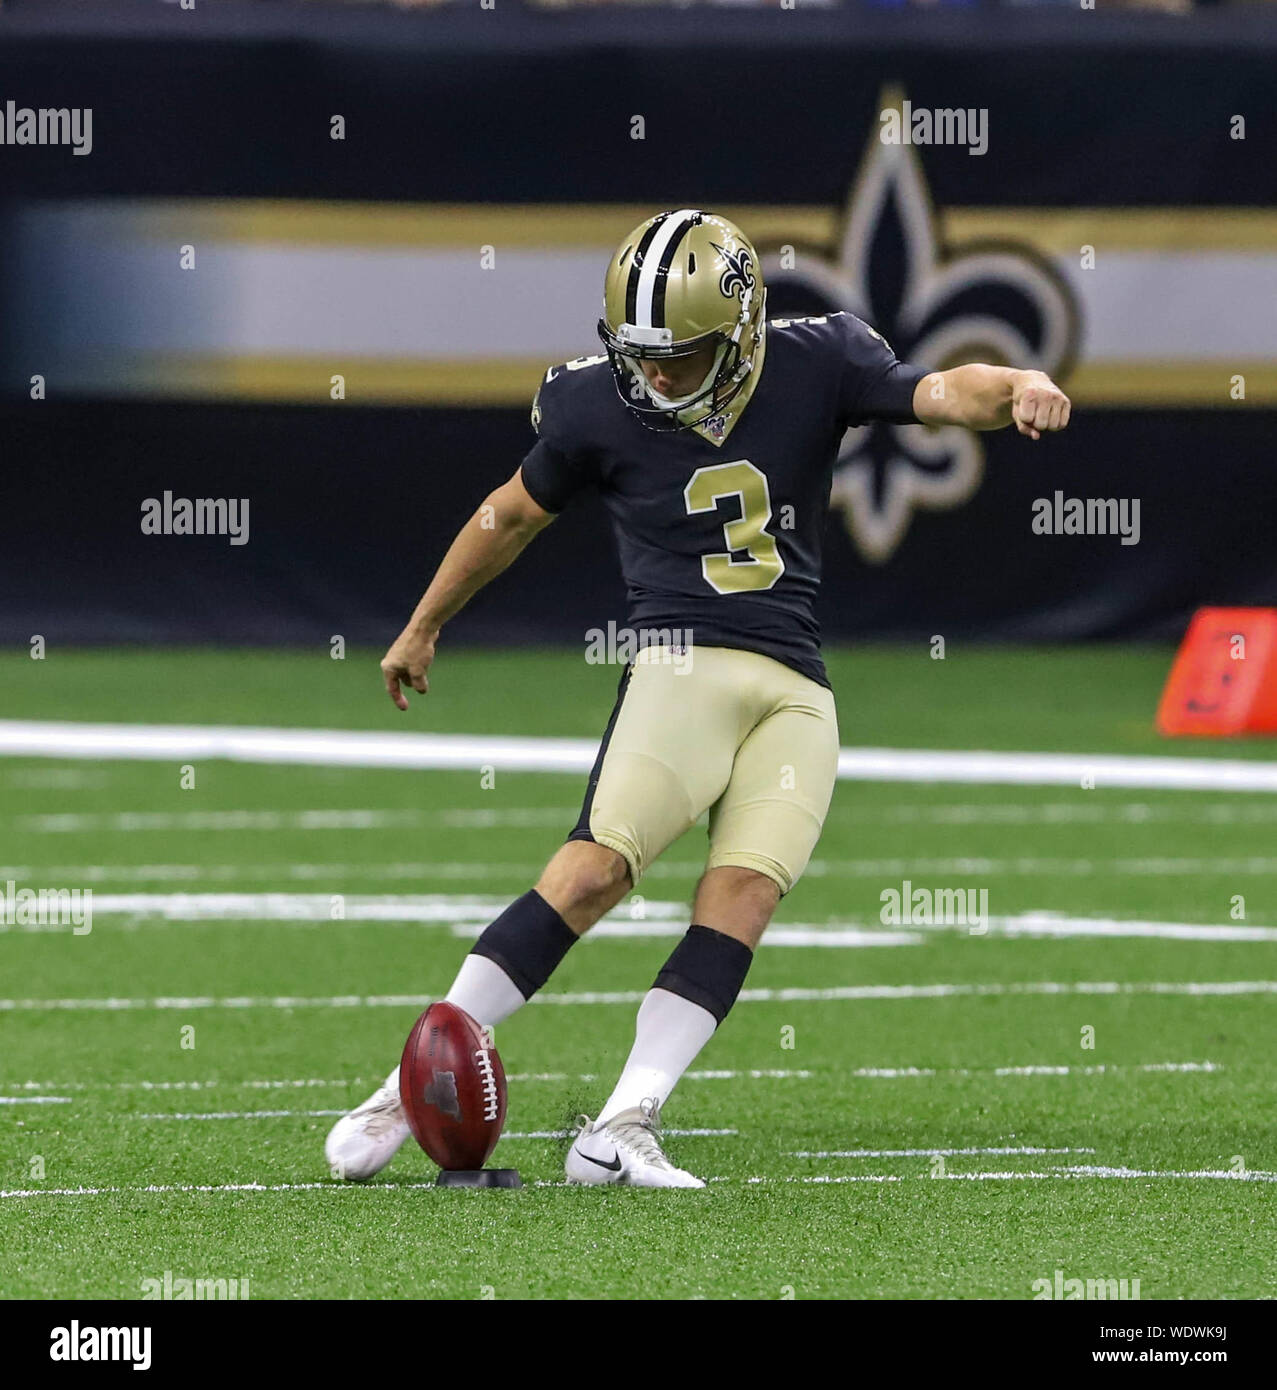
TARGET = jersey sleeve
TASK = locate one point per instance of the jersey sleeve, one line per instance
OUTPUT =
(873, 384)
(560, 464)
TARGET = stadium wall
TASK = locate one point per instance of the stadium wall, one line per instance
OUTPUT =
(1118, 228)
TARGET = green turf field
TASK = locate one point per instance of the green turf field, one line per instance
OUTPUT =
(168, 1082)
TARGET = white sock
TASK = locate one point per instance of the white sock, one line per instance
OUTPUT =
(484, 991)
(668, 1034)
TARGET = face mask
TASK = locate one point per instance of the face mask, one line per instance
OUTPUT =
(677, 402)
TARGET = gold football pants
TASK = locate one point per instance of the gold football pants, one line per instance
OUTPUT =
(730, 732)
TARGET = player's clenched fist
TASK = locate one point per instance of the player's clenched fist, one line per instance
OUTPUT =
(408, 663)
(1038, 404)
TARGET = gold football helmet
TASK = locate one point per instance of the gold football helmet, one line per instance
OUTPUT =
(679, 282)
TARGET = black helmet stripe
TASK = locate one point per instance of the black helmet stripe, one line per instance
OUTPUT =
(656, 264)
(636, 267)
(663, 270)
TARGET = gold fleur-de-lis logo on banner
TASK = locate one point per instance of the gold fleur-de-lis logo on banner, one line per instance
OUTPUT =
(938, 306)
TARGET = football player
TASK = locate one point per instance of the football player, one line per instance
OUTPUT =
(711, 435)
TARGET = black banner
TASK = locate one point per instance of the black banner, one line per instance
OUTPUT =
(1143, 142)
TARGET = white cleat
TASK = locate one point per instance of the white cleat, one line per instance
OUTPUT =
(627, 1149)
(363, 1142)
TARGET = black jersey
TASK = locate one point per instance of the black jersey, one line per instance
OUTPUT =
(724, 539)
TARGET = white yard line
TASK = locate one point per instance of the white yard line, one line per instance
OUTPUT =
(924, 1153)
(62, 779)
(522, 1078)
(507, 1134)
(778, 1074)
(180, 1085)
(469, 870)
(164, 1188)
(764, 1074)
(1060, 926)
(789, 934)
(335, 747)
(321, 818)
(1078, 1174)
(467, 917)
(479, 871)
(319, 907)
(1225, 1174)
(1082, 811)
(748, 996)
(538, 818)
(468, 914)
(237, 1115)
(1028, 866)
(954, 991)
(678, 1133)
(816, 1179)
(1101, 1069)
(1073, 1174)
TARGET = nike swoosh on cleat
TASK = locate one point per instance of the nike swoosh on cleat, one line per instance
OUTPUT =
(613, 1167)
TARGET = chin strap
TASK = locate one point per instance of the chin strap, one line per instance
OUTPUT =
(733, 386)
(676, 403)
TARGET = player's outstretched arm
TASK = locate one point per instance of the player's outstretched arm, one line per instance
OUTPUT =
(490, 541)
(989, 398)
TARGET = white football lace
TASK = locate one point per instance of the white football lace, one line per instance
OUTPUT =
(384, 1112)
(641, 1137)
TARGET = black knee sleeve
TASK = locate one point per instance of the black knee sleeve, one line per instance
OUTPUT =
(527, 941)
(708, 967)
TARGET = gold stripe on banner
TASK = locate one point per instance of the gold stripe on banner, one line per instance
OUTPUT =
(513, 381)
(453, 225)
(1150, 384)
(1051, 231)
(1063, 232)
(365, 380)
(592, 229)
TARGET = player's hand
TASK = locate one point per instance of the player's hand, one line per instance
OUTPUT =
(1038, 405)
(408, 663)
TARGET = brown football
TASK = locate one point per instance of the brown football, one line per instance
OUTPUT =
(452, 1085)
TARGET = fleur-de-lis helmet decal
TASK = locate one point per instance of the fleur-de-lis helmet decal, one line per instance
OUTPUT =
(937, 306)
(738, 278)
